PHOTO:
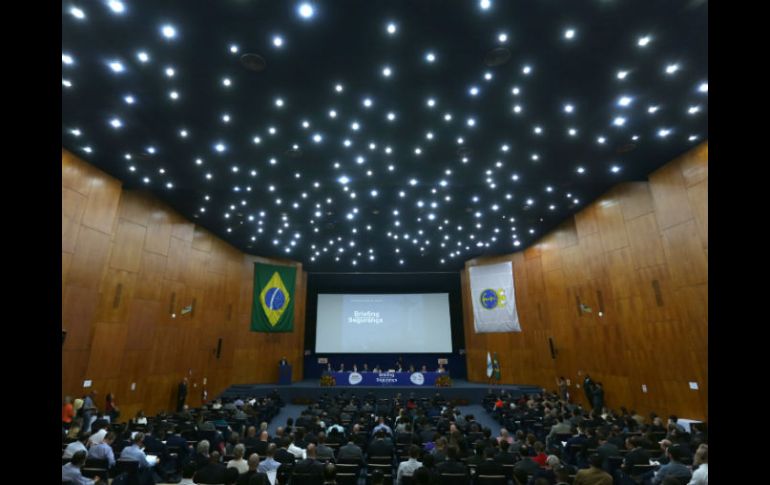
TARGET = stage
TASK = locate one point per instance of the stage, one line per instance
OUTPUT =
(311, 389)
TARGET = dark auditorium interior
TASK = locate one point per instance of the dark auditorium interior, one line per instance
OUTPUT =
(400, 242)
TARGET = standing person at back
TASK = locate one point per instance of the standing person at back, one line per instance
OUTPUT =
(588, 388)
(181, 395)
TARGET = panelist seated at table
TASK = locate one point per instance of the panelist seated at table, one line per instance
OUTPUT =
(355, 368)
(377, 368)
(342, 368)
(366, 368)
(424, 368)
(441, 368)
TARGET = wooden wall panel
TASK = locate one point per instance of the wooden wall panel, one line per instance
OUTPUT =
(644, 247)
(129, 266)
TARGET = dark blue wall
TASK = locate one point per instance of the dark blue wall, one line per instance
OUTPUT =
(385, 283)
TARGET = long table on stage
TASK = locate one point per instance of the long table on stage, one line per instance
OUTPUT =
(385, 378)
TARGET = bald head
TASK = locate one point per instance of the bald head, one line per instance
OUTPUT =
(263, 436)
(310, 451)
(253, 461)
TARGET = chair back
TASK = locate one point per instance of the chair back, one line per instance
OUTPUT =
(454, 478)
(491, 480)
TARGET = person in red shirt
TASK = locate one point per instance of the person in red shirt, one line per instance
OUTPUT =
(540, 457)
(499, 403)
(67, 412)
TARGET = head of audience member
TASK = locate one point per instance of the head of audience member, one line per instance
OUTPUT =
(203, 447)
(452, 453)
(330, 472)
(253, 461)
(139, 439)
(83, 436)
(552, 461)
(504, 445)
(489, 453)
(79, 458)
(675, 453)
(421, 476)
(279, 432)
(251, 432)
(538, 446)
(109, 438)
(214, 457)
(414, 451)
(238, 451)
(271, 448)
(310, 451)
(428, 461)
(595, 460)
(701, 455)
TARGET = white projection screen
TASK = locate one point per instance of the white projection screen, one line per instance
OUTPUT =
(386, 324)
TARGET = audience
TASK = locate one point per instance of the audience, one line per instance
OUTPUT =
(71, 471)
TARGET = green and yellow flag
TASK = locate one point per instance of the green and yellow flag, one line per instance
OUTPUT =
(496, 367)
(272, 309)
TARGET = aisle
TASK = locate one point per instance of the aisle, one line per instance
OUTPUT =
(484, 419)
(288, 411)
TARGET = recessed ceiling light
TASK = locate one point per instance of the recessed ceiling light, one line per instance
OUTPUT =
(257, 140)
(367, 102)
(692, 138)
(220, 147)
(619, 121)
(338, 88)
(693, 110)
(143, 56)
(226, 82)
(488, 76)
(622, 74)
(473, 91)
(317, 138)
(614, 169)
(75, 132)
(77, 13)
(624, 101)
(279, 102)
(672, 68)
(569, 34)
(67, 59)
(116, 6)
(117, 66)
(128, 99)
(277, 40)
(233, 48)
(168, 31)
(306, 10)
(170, 72)
(430, 57)
(502, 37)
(116, 123)
(703, 88)
(391, 116)
(485, 4)
(581, 170)
(447, 117)
(568, 108)
(601, 140)
(87, 149)
(526, 69)
(391, 28)
(643, 41)
(386, 71)
(653, 109)
(183, 133)
(664, 132)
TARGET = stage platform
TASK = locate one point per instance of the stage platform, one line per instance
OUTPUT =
(311, 389)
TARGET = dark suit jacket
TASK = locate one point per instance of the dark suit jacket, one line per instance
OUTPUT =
(350, 453)
(637, 456)
(211, 473)
(310, 466)
(253, 477)
(490, 467)
(451, 466)
(283, 455)
(380, 447)
(505, 458)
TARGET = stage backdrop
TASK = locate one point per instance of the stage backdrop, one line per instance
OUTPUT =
(382, 283)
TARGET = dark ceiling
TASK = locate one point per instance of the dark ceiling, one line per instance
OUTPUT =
(437, 172)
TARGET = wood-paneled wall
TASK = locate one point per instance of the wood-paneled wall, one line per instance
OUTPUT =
(639, 254)
(128, 263)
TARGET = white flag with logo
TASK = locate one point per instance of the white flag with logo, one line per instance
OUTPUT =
(490, 367)
(494, 302)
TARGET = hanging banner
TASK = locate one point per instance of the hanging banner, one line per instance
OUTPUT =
(494, 302)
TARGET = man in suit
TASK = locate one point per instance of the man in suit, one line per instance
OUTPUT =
(605, 449)
(593, 475)
(380, 447)
(562, 427)
(322, 451)
(181, 395)
(283, 455)
(212, 472)
(261, 479)
(452, 464)
(351, 452)
(588, 388)
(489, 466)
(283, 361)
(674, 468)
(310, 465)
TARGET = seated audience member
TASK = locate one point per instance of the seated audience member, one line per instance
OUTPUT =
(380, 446)
(548, 472)
(295, 447)
(351, 452)
(700, 464)
(505, 457)
(562, 475)
(135, 452)
(594, 475)
(212, 472)
(310, 465)
(452, 464)
(238, 462)
(283, 455)
(253, 476)
(188, 472)
(103, 451)
(330, 474)
(407, 468)
(75, 446)
(323, 452)
(674, 467)
(201, 457)
(176, 440)
(489, 466)
(540, 456)
(140, 418)
(71, 471)
(269, 464)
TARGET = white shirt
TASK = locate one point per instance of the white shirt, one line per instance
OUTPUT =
(241, 465)
(73, 448)
(700, 476)
(296, 451)
(407, 468)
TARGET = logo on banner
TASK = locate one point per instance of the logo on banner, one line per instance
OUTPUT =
(417, 379)
(491, 299)
(355, 378)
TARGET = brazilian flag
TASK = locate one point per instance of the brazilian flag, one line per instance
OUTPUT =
(272, 309)
(496, 367)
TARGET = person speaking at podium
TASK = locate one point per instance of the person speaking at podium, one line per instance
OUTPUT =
(283, 361)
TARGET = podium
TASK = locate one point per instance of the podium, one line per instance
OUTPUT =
(284, 375)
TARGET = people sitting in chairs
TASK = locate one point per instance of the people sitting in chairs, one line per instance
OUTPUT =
(103, 451)
(269, 464)
(71, 471)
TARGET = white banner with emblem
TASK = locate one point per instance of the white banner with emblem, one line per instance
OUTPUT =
(494, 302)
